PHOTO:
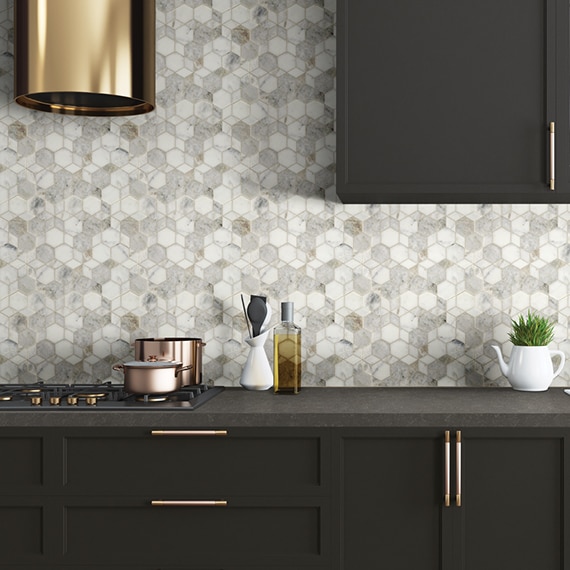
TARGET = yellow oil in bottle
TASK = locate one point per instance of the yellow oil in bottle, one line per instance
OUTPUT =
(287, 361)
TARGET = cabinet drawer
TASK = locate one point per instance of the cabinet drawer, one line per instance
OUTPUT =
(21, 462)
(246, 531)
(241, 464)
(22, 532)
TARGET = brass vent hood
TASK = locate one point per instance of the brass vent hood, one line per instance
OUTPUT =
(85, 57)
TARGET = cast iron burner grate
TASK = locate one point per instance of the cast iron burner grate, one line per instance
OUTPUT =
(107, 396)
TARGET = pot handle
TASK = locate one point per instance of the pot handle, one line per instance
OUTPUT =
(562, 361)
(119, 367)
(183, 369)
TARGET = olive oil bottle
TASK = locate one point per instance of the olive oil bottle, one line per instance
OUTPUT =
(287, 353)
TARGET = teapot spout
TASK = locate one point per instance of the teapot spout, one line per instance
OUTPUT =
(502, 363)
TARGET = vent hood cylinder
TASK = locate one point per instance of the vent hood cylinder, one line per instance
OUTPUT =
(85, 57)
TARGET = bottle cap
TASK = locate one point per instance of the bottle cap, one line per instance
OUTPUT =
(287, 311)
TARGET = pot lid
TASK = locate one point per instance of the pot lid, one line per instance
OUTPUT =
(157, 364)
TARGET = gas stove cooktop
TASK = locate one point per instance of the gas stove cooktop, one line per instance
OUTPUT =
(105, 396)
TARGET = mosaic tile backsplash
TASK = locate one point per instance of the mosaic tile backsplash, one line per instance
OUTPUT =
(115, 229)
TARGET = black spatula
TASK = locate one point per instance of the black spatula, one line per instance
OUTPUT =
(257, 311)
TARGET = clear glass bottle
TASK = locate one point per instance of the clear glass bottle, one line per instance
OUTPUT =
(287, 353)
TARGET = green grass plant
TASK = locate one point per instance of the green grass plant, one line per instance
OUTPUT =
(533, 330)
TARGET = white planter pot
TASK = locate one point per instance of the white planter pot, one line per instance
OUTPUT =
(530, 367)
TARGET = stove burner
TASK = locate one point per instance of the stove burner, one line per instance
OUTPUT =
(107, 396)
(152, 398)
(88, 395)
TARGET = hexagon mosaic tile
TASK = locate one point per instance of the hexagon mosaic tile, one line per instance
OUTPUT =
(114, 229)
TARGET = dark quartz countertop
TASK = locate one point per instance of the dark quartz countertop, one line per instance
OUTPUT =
(332, 407)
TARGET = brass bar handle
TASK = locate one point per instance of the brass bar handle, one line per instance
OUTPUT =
(189, 503)
(189, 432)
(458, 468)
(447, 497)
(551, 182)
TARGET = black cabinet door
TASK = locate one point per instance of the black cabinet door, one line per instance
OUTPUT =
(391, 491)
(442, 101)
(513, 501)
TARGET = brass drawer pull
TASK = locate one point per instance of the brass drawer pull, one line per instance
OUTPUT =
(189, 503)
(552, 130)
(458, 468)
(447, 499)
(190, 433)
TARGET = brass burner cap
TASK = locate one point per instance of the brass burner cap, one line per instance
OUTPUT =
(158, 398)
(95, 395)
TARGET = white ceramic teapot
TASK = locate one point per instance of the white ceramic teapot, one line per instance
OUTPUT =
(530, 367)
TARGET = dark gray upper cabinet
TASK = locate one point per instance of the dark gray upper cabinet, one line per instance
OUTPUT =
(450, 101)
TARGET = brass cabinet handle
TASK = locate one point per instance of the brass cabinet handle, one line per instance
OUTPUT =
(551, 182)
(189, 503)
(189, 433)
(458, 468)
(447, 500)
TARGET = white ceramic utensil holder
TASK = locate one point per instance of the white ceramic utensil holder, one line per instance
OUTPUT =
(257, 373)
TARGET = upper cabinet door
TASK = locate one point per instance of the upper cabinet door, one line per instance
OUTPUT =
(451, 101)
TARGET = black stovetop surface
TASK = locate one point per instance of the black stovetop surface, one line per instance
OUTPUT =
(106, 396)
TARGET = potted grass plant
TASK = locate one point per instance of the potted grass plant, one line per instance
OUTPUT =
(530, 366)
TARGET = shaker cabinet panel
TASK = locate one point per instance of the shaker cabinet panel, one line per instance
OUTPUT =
(132, 462)
(390, 501)
(513, 497)
(442, 101)
(21, 463)
(246, 531)
(22, 532)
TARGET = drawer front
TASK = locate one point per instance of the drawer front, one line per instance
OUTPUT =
(243, 464)
(246, 531)
(21, 463)
(21, 539)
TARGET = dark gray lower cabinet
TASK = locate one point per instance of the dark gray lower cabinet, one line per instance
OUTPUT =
(295, 499)
(513, 503)
(246, 498)
(514, 499)
(391, 490)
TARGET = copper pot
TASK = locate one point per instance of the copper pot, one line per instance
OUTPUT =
(180, 349)
(152, 377)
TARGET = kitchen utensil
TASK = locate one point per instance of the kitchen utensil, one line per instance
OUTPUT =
(151, 377)
(257, 311)
(267, 318)
(180, 349)
(246, 317)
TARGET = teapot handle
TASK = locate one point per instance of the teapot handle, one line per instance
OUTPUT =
(562, 361)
